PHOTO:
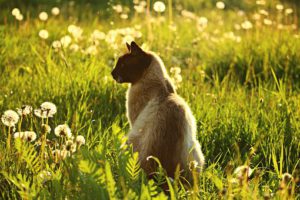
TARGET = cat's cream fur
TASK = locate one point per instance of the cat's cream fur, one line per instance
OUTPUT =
(162, 124)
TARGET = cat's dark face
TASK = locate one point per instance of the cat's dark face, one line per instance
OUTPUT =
(131, 66)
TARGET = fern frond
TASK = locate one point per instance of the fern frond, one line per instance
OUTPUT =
(133, 167)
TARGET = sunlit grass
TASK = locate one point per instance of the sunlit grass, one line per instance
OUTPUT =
(238, 70)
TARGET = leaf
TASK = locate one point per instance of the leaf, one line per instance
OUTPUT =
(133, 167)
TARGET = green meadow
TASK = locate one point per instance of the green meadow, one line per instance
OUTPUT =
(236, 63)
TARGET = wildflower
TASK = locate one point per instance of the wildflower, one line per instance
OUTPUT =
(24, 110)
(288, 11)
(118, 8)
(261, 2)
(15, 12)
(97, 35)
(70, 146)
(74, 47)
(60, 154)
(63, 131)
(80, 140)
(124, 16)
(263, 12)
(19, 135)
(43, 16)
(76, 31)
(19, 17)
(268, 22)
(44, 176)
(43, 34)
(66, 41)
(91, 50)
(279, 7)
(29, 136)
(159, 6)
(286, 178)
(175, 70)
(10, 118)
(188, 14)
(220, 5)
(247, 25)
(243, 172)
(202, 21)
(46, 128)
(56, 45)
(55, 11)
(47, 109)
(139, 8)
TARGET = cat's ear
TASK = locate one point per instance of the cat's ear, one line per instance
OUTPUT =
(135, 49)
(128, 47)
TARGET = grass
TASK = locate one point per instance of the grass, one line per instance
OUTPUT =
(243, 89)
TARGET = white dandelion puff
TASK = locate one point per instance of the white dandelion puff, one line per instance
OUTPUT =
(70, 146)
(24, 110)
(98, 35)
(268, 22)
(247, 25)
(19, 135)
(220, 5)
(56, 45)
(49, 107)
(46, 128)
(74, 47)
(19, 17)
(63, 131)
(29, 136)
(91, 50)
(80, 140)
(66, 41)
(159, 6)
(43, 34)
(75, 31)
(10, 118)
(243, 172)
(55, 11)
(43, 16)
(118, 8)
(15, 12)
(279, 7)
(288, 11)
(124, 16)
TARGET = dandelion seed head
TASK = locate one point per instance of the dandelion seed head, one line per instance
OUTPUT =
(19, 135)
(46, 128)
(139, 8)
(80, 140)
(286, 178)
(15, 12)
(279, 7)
(43, 16)
(98, 35)
(75, 31)
(268, 22)
(55, 11)
(70, 146)
(43, 34)
(118, 8)
(243, 171)
(56, 44)
(288, 11)
(63, 131)
(159, 6)
(261, 2)
(29, 136)
(91, 50)
(220, 5)
(10, 118)
(24, 110)
(66, 41)
(74, 47)
(49, 107)
(19, 17)
(124, 16)
(247, 25)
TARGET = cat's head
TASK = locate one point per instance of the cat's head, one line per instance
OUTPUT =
(132, 65)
